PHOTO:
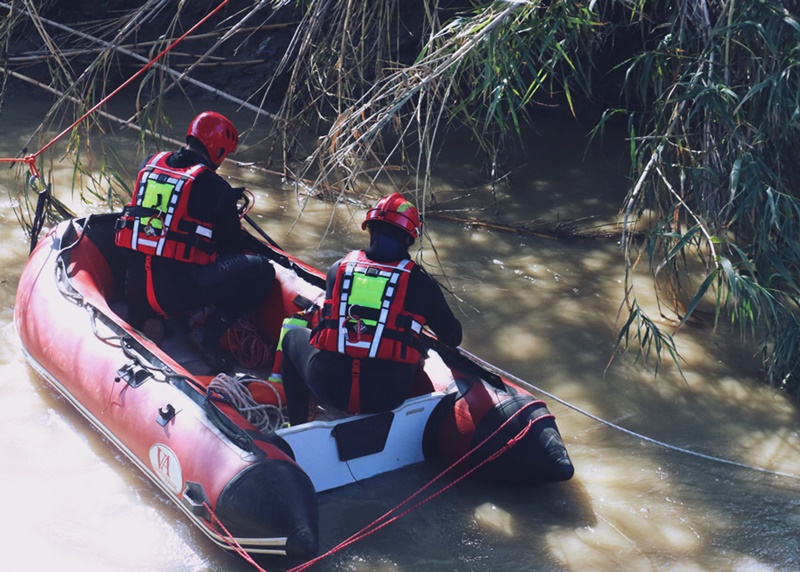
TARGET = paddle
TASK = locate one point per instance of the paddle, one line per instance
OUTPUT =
(247, 197)
(261, 232)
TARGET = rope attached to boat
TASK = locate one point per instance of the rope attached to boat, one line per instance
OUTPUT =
(30, 160)
(392, 515)
(639, 436)
(230, 539)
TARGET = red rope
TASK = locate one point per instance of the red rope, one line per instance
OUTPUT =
(377, 524)
(247, 346)
(230, 540)
(385, 520)
(30, 160)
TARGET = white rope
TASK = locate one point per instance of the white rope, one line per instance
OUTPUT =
(522, 382)
(265, 416)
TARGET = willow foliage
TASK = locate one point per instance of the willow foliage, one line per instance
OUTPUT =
(716, 140)
(483, 67)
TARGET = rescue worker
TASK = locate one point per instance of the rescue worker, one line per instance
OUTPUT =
(183, 228)
(362, 355)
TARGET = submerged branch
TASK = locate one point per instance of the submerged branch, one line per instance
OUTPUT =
(562, 229)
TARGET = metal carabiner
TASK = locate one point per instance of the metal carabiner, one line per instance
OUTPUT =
(32, 183)
(41, 207)
(355, 321)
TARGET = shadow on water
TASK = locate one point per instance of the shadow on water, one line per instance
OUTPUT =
(552, 322)
(471, 526)
(675, 501)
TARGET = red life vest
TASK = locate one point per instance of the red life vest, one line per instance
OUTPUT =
(366, 315)
(156, 221)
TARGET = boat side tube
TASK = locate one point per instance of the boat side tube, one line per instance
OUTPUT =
(270, 498)
(470, 415)
(150, 409)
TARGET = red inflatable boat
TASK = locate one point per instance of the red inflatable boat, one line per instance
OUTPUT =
(239, 479)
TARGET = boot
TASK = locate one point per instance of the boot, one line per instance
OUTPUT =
(154, 329)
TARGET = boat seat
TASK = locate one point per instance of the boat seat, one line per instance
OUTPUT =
(333, 455)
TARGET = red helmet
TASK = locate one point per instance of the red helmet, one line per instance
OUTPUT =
(396, 210)
(216, 133)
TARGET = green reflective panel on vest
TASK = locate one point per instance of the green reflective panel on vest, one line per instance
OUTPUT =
(156, 196)
(367, 292)
(288, 324)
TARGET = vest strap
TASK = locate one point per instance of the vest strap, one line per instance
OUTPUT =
(151, 292)
(354, 405)
(191, 238)
(136, 211)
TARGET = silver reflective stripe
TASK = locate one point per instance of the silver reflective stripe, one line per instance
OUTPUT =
(342, 337)
(151, 243)
(376, 341)
(135, 234)
(347, 282)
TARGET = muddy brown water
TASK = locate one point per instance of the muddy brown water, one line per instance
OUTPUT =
(651, 490)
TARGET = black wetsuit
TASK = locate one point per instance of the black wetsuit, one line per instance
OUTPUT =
(383, 384)
(233, 283)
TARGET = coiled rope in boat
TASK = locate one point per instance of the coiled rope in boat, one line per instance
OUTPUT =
(265, 416)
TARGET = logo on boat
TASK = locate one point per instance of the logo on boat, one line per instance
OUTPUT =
(165, 463)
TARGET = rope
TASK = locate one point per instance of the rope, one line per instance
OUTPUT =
(377, 524)
(266, 417)
(628, 431)
(387, 519)
(230, 540)
(29, 160)
(247, 346)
